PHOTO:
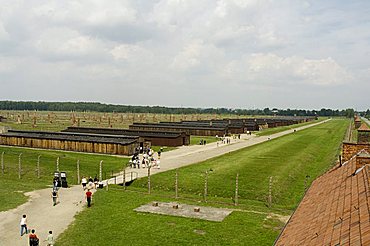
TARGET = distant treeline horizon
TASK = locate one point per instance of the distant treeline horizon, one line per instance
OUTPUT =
(101, 107)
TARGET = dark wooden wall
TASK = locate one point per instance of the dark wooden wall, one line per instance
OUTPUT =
(70, 145)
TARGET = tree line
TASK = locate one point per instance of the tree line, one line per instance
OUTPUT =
(101, 107)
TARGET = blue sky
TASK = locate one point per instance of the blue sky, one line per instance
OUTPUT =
(226, 53)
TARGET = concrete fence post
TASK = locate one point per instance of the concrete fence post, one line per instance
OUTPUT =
(78, 171)
(206, 187)
(38, 166)
(124, 178)
(177, 184)
(306, 182)
(236, 202)
(58, 164)
(2, 163)
(101, 170)
(270, 193)
(149, 179)
(20, 166)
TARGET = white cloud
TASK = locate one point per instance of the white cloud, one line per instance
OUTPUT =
(323, 72)
(67, 42)
(197, 54)
(280, 71)
(130, 52)
(7, 65)
(242, 49)
(87, 12)
(4, 35)
(189, 56)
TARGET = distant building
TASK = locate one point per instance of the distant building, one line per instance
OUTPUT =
(357, 122)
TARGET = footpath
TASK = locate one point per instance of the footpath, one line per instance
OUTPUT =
(43, 216)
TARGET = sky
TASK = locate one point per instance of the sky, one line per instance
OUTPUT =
(187, 53)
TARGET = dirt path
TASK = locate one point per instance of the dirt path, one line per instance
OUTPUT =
(44, 217)
(41, 215)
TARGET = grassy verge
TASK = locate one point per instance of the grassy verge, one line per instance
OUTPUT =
(270, 131)
(194, 140)
(13, 187)
(287, 159)
(165, 148)
(118, 224)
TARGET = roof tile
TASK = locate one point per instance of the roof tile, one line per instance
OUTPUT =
(335, 210)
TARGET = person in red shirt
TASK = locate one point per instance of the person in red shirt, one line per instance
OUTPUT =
(88, 197)
(34, 241)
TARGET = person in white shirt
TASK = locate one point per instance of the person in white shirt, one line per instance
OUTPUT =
(24, 225)
(50, 239)
(84, 182)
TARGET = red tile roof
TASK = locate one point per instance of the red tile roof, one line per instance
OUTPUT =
(363, 127)
(334, 211)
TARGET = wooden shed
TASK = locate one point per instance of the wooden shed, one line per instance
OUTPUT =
(92, 143)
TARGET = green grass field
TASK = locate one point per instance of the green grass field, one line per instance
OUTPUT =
(194, 140)
(112, 221)
(13, 188)
(270, 131)
(117, 224)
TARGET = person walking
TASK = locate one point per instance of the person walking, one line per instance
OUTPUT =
(55, 183)
(96, 181)
(84, 182)
(23, 225)
(88, 197)
(50, 239)
(33, 239)
(54, 195)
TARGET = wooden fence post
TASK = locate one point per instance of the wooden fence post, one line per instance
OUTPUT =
(20, 166)
(38, 166)
(206, 187)
(236, 189)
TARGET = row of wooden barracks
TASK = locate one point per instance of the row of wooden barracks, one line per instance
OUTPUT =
(221, 127)
(128, 141)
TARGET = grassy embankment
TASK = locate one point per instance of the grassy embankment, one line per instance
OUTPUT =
(270, 131)
(13, 188)
(112, 221)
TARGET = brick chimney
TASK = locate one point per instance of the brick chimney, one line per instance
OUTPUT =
(363, 134)
(357, 122)
(362, 159)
